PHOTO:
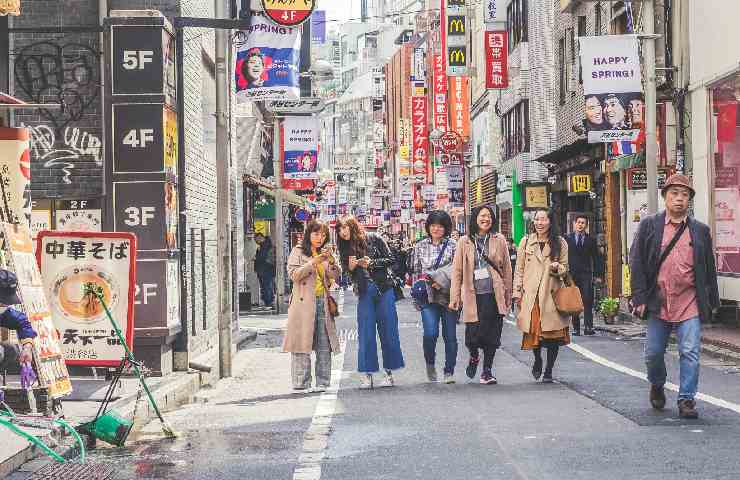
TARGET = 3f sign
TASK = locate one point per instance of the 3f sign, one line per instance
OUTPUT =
(139, 216)
(137, 59)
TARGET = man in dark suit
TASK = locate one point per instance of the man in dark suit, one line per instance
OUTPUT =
(583, 257)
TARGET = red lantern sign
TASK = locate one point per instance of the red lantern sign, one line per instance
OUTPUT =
(288, 13)
(450, 142)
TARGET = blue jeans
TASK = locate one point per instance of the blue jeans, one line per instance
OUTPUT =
(688, 334)
(377, 310)
(431, 316)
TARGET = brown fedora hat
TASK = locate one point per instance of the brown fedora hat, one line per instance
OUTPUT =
(678, 180)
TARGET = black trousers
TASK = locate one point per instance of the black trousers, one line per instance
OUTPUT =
(585, 283)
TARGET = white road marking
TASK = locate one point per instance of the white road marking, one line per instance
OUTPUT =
(718, 402)
(316, 438)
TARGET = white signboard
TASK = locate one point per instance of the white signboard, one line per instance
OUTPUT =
(493, 11)
(300, 147)
(68, 261)
(612, 85)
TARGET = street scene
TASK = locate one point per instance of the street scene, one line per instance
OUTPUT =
(321, 239)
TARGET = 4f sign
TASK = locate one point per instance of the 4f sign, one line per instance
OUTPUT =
(289, 13)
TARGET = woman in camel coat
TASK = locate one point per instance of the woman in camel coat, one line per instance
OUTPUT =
(542, 262)
(312, 269)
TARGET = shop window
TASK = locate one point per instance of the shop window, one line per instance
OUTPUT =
(726, 109)
(515, 125)
(597, 20)
(563, 73)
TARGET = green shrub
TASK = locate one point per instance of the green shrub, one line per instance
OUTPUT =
(609, 306)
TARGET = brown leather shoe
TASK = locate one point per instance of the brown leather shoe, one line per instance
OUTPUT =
(687, 409)
(657, 397)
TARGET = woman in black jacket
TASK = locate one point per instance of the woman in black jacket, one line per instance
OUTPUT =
(368, 259)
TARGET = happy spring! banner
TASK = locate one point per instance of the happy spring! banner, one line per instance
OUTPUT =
(612, 84)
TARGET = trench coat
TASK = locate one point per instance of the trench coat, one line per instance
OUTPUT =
(302, 308)
(463, 266)
(533, 280)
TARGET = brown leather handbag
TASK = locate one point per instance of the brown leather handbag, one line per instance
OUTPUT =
(568, 298)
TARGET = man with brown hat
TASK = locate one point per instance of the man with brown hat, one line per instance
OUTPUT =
(674, 286)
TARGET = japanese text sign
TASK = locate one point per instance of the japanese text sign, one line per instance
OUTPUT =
(497, 59)
(440, 93)
(69, 260)
(460, 106)
(420, 138)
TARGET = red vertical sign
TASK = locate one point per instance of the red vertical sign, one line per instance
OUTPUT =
(497, 59)
(419, 138)
(440, 93)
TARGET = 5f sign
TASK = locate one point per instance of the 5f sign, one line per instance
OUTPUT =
(137, 59)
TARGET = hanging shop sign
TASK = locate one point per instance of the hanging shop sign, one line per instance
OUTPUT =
(69, 260)
(419, 72)
(536, 196)
(579, 183)
(15, 175)
(304, 105)
(267, 62)
(637, 178)
(456, 30)
(497, 59)
(420, 138)
(288, 13)
(457, 60)
(450, 142)
(17, 249)
(300, 142)
(492, 12)
(440, 93)
(460, 106)
(612, 84)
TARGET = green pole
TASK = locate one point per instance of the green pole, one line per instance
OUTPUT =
(517, 212)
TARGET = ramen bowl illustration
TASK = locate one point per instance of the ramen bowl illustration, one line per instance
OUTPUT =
(69, 299)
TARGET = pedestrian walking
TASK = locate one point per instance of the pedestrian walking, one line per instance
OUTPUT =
(542, 264)
(583, 261)
(369, 260)
(264, 267)
(674, 286)
(311, 328)
(431, 254)
(482, 285)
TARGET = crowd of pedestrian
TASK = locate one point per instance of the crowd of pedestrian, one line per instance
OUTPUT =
(481, 277)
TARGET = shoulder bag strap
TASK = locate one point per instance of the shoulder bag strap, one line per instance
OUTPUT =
(488, 260)
(673, 243)
(441, 253)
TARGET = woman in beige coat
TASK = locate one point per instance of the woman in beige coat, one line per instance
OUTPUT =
(312, 269)
(542, 262)
(481, 284)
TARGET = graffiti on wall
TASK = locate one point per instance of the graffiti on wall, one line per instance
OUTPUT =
(73, 146)
(64, 73)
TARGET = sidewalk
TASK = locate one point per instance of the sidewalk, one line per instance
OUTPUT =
(717, 339)
(169, 392)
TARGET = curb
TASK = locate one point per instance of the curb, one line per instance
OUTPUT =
(177, 391)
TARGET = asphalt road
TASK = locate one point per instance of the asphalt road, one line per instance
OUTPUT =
(595, 422)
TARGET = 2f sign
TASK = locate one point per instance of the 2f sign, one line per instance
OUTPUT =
(137, 59)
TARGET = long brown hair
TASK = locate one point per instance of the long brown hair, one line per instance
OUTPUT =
(357, 243)
(311, 227)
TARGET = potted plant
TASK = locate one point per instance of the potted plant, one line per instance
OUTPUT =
(609, 307)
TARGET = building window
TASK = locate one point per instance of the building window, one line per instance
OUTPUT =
(563, 71)
(597, 20)
(515, 125)
(516, 23)
(726, 109)
(581, 33)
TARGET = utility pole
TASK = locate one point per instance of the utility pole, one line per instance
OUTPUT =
(223, 203)
(651, 110)
(279, 220)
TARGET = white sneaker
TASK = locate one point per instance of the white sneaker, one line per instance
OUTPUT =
(449, 379)
(388, 380)
(366, 381)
